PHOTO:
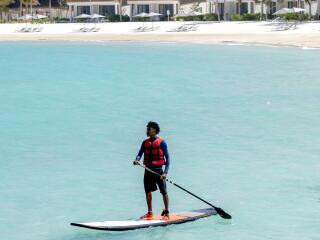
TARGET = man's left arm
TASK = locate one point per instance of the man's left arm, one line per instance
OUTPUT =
(164, 148)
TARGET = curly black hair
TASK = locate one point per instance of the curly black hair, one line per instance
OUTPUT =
(154, 125)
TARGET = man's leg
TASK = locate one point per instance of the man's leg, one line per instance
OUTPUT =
(149, 201)
(166, 201)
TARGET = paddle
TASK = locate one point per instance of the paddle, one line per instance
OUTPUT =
(220, 211)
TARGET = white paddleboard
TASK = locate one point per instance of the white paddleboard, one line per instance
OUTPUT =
(155, 221)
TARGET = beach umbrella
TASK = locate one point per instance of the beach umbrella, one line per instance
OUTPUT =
(96, 16)
(82, 16)
(153, 14)
(142, 15)
(282, 11)
(188, 14)
(26, 17)
(298, 10)
(183, 14)
(39, 16)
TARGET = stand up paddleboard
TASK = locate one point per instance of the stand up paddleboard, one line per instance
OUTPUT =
(155, 221)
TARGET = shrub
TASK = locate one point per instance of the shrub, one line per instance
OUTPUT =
(236, 17)
(116, 18)
(295, 16)
(140, 19)
(210, 17)
(250, 17)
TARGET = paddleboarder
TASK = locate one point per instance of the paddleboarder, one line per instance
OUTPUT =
(156, 156)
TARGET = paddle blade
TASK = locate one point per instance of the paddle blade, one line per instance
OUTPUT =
(223, 214)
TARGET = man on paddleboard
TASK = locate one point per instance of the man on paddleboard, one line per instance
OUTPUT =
(156, 156)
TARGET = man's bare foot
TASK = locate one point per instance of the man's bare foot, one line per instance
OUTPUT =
(165, 215)
(148, 215)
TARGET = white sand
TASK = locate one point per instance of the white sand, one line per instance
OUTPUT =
(305, 35)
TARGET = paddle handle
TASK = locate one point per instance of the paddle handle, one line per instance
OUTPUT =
(222, 213)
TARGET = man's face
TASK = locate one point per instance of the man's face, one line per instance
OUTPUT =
(150, 131)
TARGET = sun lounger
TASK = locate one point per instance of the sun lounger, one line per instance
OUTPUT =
(96, 29)
(138, 29)
(185, 28)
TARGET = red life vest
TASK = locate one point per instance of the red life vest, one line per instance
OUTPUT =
(153, 154)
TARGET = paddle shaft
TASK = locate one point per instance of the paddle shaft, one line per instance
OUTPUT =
(222, 214)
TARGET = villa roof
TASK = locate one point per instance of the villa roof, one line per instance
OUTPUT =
(94, 1)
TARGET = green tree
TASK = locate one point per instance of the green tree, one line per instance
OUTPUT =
(4, 7)
(27, 3)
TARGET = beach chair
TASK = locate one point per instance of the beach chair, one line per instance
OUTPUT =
(177, 29)
(22, 29)
(191, 28)
(96, 29)
(38, 29)
(138, 29)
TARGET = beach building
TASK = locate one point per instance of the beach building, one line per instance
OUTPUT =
(102, 7)
(164, 7)
(127, 7)
(226, 8)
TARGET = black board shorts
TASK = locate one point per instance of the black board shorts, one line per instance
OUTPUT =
(152, 182)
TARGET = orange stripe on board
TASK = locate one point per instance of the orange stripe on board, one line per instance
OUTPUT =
(172, 218)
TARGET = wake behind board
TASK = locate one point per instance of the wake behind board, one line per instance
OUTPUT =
(156, 221)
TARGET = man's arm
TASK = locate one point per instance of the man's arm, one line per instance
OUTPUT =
(140, 153)
(164, 148)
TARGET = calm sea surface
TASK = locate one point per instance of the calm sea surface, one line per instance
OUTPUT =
(242, 125)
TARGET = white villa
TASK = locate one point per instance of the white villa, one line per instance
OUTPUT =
(128, 7)
(226, 8)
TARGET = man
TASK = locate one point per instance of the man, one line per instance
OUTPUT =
(156, 156)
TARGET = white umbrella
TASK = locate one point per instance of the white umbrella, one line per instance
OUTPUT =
(96, 16)
(142, 15)
(298, 10)
(82, 16)
(39, 16)
(26, 17)
(153, 14)
(188, 14)
(282, 11)
(183, 14)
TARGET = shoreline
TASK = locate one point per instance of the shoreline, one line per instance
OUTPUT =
(304, 41)
(307, 35)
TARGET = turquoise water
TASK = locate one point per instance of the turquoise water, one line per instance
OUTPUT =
(242, 125)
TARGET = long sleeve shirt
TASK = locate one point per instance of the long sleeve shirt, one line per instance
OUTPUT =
(163, 147)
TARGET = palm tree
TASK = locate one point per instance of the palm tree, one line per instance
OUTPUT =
(4, 7)
(49, 8)
(309, 3)
(27, 3)
(224, 11)
(217, 9)
(318, 9)
(239, 6)
(261, 10)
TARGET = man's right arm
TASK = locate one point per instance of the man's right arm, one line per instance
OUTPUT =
(139, 155)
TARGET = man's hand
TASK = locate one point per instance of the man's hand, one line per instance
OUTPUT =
(163, 176)
(135, 162)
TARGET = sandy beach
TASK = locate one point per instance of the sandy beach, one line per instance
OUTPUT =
(305, 34)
